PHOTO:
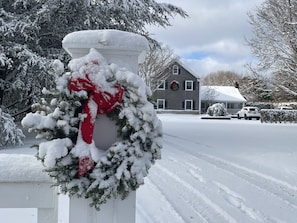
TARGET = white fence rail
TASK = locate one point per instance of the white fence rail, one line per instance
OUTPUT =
(24, 185)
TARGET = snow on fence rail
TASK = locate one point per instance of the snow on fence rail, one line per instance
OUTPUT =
(276, 115)
(23, 184)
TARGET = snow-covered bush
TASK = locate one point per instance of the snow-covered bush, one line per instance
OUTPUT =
(10, 134)
(277, 115)
(217, 109)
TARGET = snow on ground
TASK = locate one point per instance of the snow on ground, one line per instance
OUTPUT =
(213, 171)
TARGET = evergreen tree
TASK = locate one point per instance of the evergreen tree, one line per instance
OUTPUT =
(10, 134)
(31, 32)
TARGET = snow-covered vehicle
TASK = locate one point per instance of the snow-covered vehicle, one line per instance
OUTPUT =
(249, 113)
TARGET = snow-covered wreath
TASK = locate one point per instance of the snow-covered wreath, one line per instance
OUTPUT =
(67, 120)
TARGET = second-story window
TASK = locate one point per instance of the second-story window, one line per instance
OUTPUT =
(189, 85)
(162, 85)
(175, 70)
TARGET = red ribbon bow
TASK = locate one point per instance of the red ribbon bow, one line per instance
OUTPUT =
(104, 102)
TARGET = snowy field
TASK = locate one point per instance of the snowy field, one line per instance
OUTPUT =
(213, 171)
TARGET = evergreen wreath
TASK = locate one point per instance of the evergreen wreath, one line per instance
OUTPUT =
(123, 166)
(174, 85)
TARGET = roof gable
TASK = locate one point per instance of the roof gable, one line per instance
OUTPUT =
(191, 72)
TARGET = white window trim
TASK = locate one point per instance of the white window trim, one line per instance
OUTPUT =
(162, 88)
(175, 69)
(186, 104)
(192, 85)
(163, 102)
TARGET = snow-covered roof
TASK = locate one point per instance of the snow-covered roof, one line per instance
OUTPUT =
(221, 94)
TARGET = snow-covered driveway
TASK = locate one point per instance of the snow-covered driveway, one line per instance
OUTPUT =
(222, 171)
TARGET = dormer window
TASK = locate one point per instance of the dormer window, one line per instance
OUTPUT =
(175, 70)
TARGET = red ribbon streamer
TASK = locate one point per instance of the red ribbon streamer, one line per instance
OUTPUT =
(104, 102)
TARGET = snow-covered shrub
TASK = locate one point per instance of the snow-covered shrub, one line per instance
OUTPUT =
(10, 134)
(217, 109)
(277, 115)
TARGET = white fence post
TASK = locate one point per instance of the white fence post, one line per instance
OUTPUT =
(116, 47)
(115, 211)
(23, 184)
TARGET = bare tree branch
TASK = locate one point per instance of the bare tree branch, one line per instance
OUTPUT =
(155, 68)
(274, 25)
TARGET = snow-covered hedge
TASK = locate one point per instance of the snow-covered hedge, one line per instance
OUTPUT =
(10, 134)
(276, 115)
(217, 109)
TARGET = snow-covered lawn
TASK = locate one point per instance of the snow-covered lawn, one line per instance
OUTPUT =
(213, 171)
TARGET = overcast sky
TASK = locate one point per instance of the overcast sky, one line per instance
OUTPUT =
(212, 38)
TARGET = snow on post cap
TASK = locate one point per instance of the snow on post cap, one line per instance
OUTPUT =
(105, 39)
(21, 168)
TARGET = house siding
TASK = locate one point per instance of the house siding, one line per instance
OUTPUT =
(175, 99)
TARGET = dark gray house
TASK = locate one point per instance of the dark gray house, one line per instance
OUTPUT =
(179, 91)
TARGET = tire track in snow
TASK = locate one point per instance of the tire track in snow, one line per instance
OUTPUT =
(164, 206)
(186, 210)
(208, 187)
(198, 194)
(193, 169)
(238, 202)
(141, 214)
(283, 190)
(231, 197)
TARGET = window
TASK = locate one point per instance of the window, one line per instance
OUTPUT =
(175, 70)
(160, 103)
(189, 85)
(234, 105)
(188, 104)
(230, 105)
(162, 85)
